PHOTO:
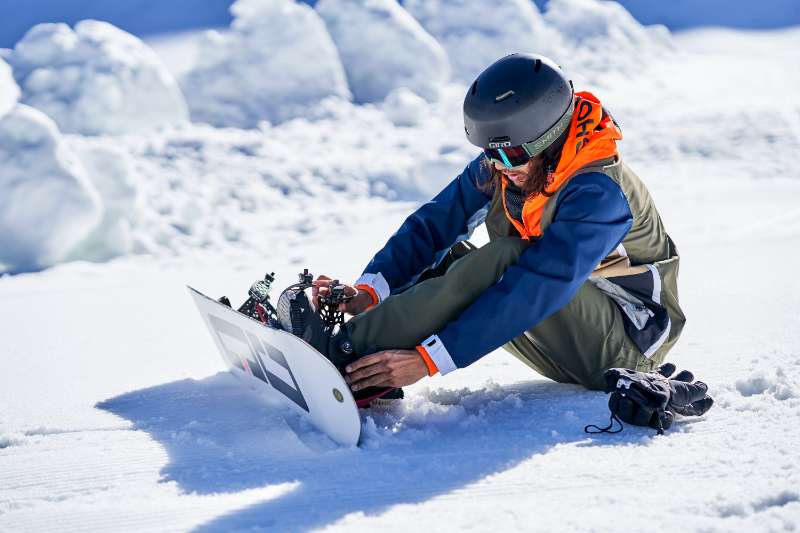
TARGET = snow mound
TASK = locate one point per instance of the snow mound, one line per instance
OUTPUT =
(276, 61)
(404, 107)
(47, 204)
(599, 37)
(780, 385)
(111, 172)
(476, 33)
(96, 79)
(9, 92)
(382, 47)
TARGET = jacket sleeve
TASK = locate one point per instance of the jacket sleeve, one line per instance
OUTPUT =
(591, 219)
(429, 232)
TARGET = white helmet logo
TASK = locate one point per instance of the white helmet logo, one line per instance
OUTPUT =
(503, 96)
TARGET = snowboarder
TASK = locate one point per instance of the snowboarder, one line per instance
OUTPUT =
(579, 276)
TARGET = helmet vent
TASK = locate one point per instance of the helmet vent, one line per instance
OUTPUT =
(537, 66)
(504, 96)
(474, 86)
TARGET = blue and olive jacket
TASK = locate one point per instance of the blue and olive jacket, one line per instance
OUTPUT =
(601, 227)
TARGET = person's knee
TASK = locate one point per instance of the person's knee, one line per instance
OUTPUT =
(507, 249)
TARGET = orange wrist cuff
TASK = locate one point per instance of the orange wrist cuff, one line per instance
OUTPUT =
(428, 361)
(369, 290)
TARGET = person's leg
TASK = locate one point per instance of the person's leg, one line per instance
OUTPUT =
(580, 341)
(403, 320)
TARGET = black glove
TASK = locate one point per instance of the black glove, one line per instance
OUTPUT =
(653, 398)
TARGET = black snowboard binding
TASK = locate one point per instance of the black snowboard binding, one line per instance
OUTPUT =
(323, 328)
(257, 305)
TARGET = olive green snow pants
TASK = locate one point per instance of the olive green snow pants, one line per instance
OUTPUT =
(576, 344)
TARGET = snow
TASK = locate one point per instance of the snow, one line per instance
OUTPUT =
(476, 33)
(598, 37)
(9, 91)
(404, 107)
(382, 48)
(111, 172)
(115, 412)
(95, 79)
(47, 203)
(228, 86)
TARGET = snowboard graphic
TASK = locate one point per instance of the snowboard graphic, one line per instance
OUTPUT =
(276, 363)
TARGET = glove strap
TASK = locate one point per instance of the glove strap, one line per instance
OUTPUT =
(592, 429)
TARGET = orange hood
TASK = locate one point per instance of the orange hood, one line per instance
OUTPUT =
(592, 136)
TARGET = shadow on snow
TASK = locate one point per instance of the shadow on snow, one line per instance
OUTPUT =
(220, 438)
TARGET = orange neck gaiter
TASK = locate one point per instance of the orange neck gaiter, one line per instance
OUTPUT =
(591, 137)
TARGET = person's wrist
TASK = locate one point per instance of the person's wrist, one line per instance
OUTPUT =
(430, 366)
(367, 297)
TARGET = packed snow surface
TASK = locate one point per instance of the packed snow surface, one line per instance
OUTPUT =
(95, 79)
(383, 47)
(275, 62)
(115, 410)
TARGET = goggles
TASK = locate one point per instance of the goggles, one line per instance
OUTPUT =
(518, 156)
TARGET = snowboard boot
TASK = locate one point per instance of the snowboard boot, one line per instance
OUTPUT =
(341, 352)
(297, 316)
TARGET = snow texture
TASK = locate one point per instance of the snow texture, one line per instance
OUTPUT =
(111, 172)
(476, 33)
(382, 48)
(47, 204)
(275, 63)
(95, 79)
(600, 36)
(404, 107)
(114, 413)
(9, 91)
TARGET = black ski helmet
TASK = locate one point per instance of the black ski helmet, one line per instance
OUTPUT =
(520, 99)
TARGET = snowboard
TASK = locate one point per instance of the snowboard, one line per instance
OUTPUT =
(277, 364)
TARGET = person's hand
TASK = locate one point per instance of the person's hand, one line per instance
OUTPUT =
(390, 368)
(360, 302)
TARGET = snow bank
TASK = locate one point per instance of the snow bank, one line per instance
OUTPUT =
(47, 203)
(404, 107)
(9, 92)
(111, 172)
(96, 79)
(382, 47)
(277, 60)
(599, 37)
(781, 385)
(475, 33)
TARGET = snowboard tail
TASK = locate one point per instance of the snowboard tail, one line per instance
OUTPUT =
(277, 364)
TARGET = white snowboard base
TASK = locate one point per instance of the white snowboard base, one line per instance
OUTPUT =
(278, 364)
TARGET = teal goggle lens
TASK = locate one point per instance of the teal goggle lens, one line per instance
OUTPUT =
(511, 156)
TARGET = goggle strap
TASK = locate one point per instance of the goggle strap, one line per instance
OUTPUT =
(539, 145)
